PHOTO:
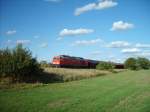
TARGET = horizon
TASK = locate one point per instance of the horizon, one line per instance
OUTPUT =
(105, 30)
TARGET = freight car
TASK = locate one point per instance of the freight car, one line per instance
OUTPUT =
(119, 66)
(92, 63)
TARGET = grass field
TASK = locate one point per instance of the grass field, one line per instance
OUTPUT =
(127, 91)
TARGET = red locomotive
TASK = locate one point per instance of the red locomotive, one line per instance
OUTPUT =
(78, 62)
(70, 61)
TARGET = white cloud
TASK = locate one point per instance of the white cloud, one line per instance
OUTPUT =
(131, 50)
(23, 41)
(118, 44)
(120, 25)
(86, 42)
(144, 54)
(43, 45)
(96, 6)
(125, 44)
(73, 32)
(52, 0)
(85, 8)
(11, 32)
(106, 4)
(115, 58)
(139, 45)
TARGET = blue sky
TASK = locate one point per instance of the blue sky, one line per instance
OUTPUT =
(96, 29)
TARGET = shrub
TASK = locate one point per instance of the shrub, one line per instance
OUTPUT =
(143, 63)
(105, 66)
(131, 63)
(137, 63)
(44, 64)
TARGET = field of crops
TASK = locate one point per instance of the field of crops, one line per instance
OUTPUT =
(127, 91)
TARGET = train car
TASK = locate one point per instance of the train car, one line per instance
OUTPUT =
(69, 61)
(92, 63)
(119, 66)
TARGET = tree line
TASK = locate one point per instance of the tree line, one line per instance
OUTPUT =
(130, 63)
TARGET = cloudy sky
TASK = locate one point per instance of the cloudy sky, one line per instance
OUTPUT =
(96, 29)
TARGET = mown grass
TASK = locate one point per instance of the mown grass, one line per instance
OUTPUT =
(127, 91)
(64, 74)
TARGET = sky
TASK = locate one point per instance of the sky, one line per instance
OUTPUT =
(110, 30)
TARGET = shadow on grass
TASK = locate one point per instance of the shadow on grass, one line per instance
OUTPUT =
(37, 80)
(45, 77)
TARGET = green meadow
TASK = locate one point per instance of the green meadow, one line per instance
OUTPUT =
(126, 91)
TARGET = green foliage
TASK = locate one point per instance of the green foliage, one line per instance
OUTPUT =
(44, 64)
(131, 63)
(18, 63)
(144, 63)
(105, 66)
(5, 62)
(137, 63)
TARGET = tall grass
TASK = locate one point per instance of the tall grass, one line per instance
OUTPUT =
(66, 74)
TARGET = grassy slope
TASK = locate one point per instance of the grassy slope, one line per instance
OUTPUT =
(123, 92)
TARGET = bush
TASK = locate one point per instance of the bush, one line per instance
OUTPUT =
(105, 66)
(143, 63)
(18, 64)
(139, 63)
(131, 63)
(45, 64)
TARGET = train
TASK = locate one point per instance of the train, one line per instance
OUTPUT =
(66, 61)
(73, 62)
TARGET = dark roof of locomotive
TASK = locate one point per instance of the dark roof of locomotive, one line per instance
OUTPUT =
(71, 57)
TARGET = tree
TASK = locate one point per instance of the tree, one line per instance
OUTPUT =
(131, 63)
(5, 62)
(105, 66)
(18, 63)
(144, 63)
